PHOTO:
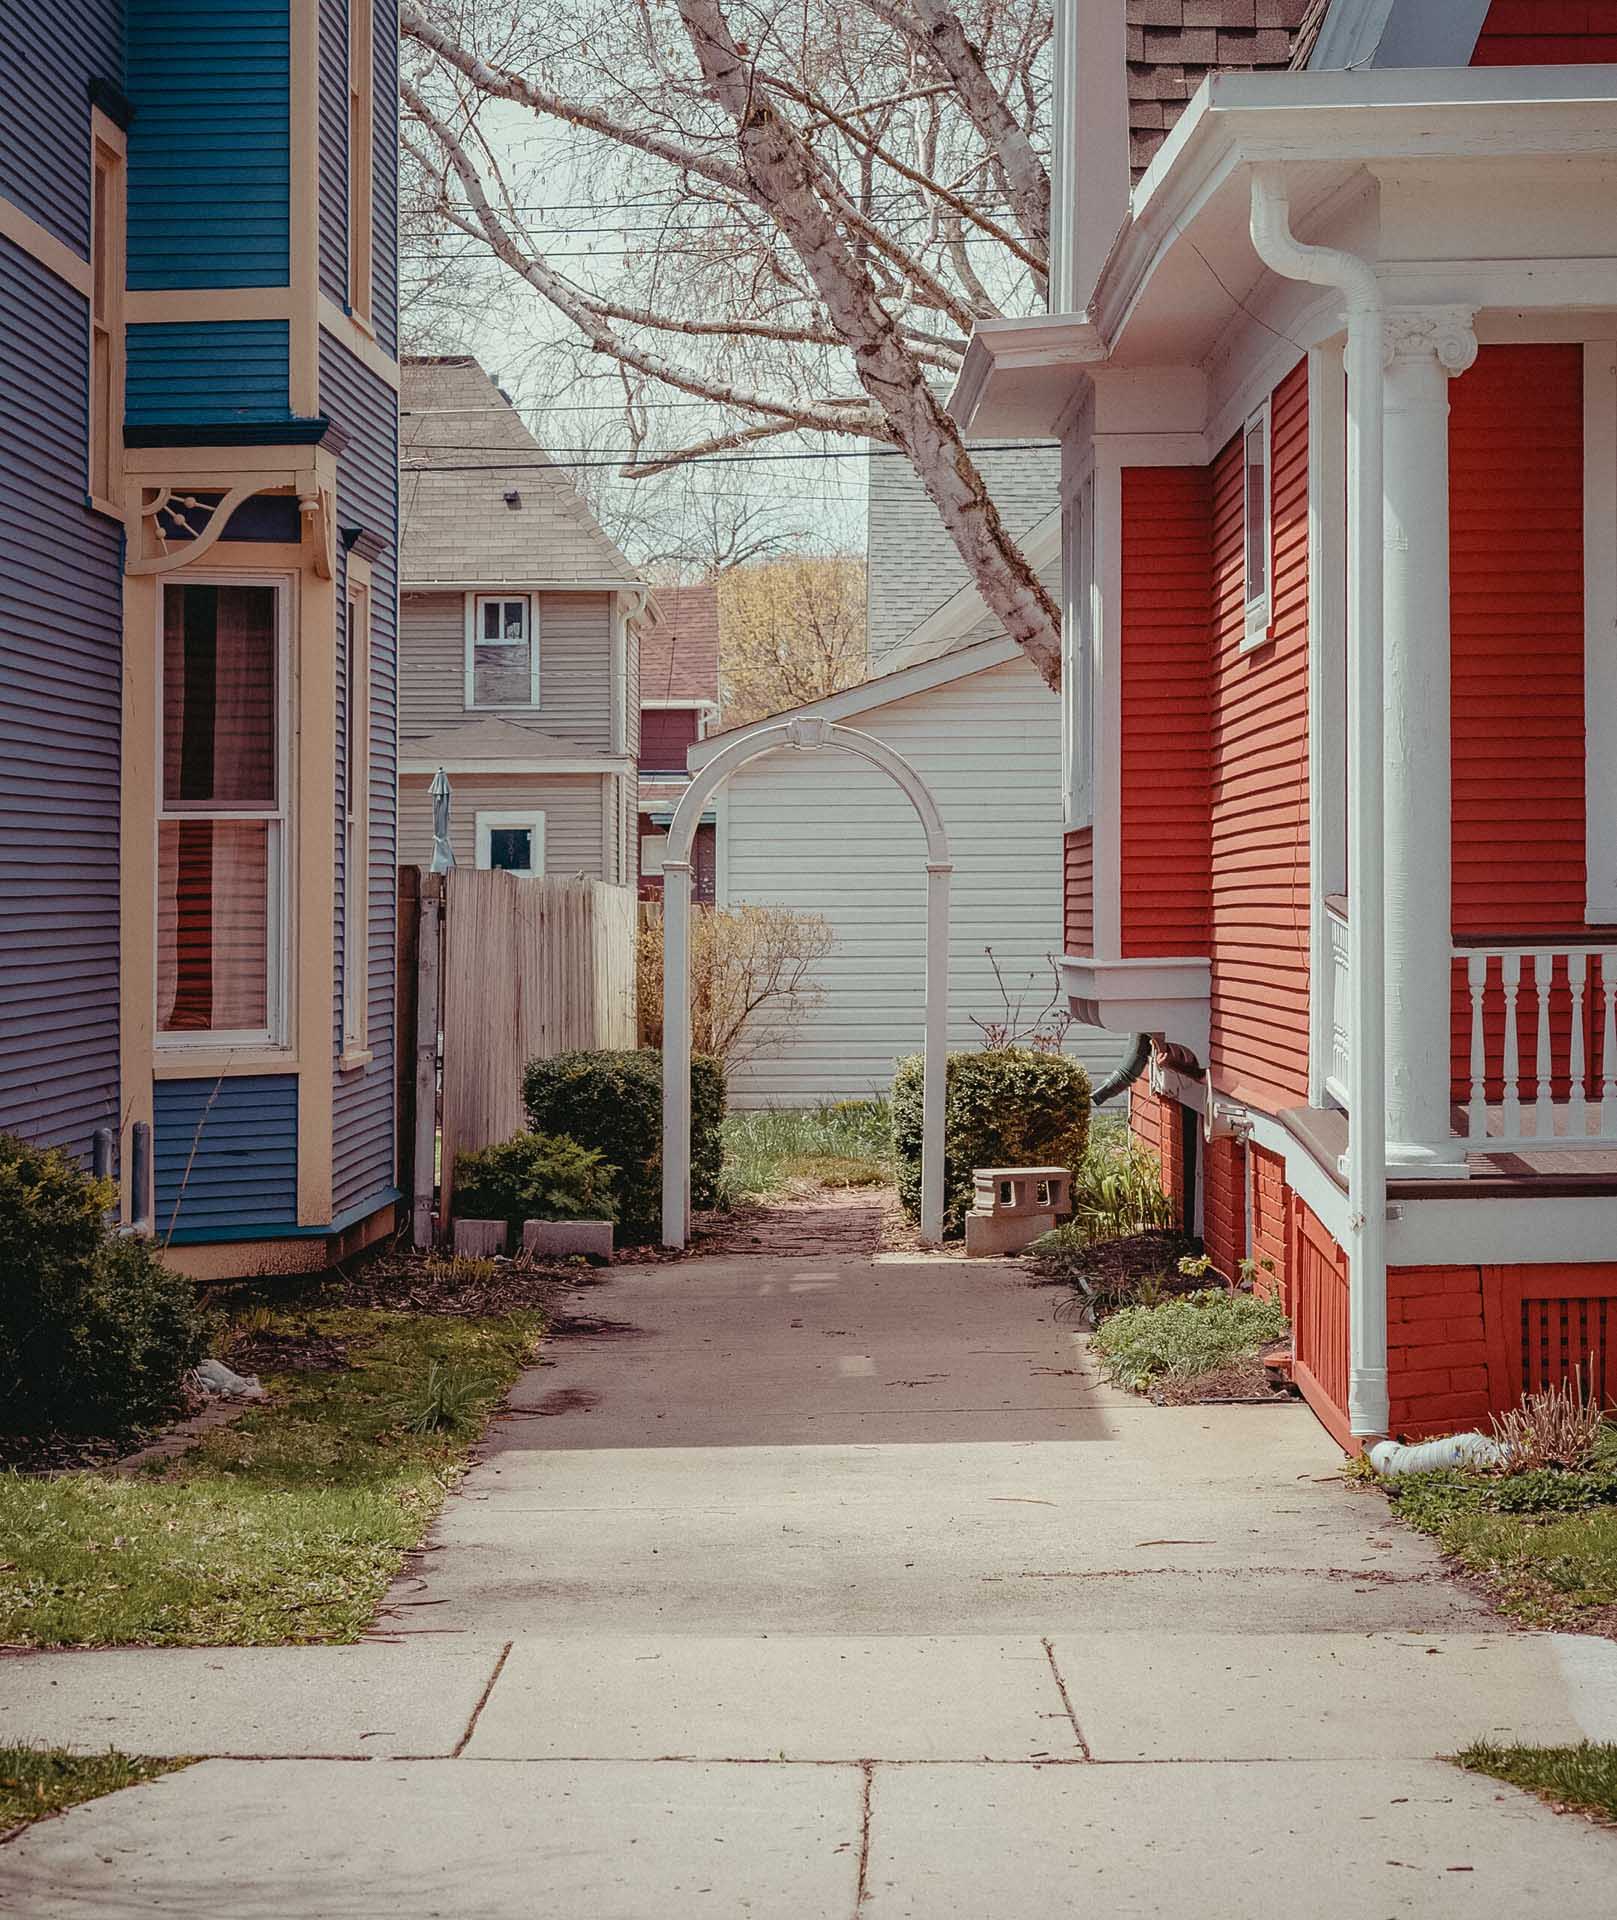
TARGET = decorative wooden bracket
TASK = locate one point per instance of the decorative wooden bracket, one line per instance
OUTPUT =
(319, 510)
(165, 522)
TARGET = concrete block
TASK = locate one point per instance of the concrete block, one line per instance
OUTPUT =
(561, 1239)
(1000, 1233)
(480, 1239)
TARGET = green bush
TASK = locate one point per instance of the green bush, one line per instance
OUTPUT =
(612, 1102)
(96, 1334)
(534, 1176)
(1004, 1107)
(1183, 1338)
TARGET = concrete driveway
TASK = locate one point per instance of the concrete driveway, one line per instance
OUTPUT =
(818, 1588)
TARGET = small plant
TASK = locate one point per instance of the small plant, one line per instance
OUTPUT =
(534, 1176)
(1198, 1334)
(446, 1403)
(745, 962)
(1043, 1032)
(1560, 1426)
(1118, 1191)
(848, 1144)
(459, 1269)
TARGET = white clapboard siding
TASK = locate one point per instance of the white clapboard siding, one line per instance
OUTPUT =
(829, 834)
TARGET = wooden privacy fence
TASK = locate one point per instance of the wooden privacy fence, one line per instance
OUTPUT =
(529, 968)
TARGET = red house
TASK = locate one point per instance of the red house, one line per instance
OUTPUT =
(679, 705)
(1332, 357)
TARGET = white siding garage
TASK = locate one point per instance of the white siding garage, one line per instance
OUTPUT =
(828, 834)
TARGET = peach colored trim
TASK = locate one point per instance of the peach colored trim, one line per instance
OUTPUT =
(359, 340)
(304, 237)
(38, 244)
(315, 786)
(149, 307)
(213, 1063)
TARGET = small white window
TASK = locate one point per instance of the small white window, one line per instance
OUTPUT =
(502, 651)
(1257, 520)
(653, 847)
(512, 842)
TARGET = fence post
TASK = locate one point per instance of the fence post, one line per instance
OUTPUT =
(428, 1014)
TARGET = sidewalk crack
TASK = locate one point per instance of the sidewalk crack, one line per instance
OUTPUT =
(1066, 1698)
(867, 1769)
(482, 1701)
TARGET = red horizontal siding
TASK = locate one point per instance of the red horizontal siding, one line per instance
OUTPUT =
(1259, 856)
(1079, 918)
(1547, 33)
(1167, 528)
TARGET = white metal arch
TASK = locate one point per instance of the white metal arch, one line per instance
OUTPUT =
(809, 733)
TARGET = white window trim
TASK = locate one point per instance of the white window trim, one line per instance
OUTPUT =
(1600, 629)
(357, 610)
(530, 817)
(1078, 655)
(105, 444)
(279, 910)
(1258, 629)
(475, 603)
(361, 160)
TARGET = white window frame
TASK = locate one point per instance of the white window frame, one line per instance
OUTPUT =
(1078, 654)
(361, 159)
(108, 274)
(532, 818)
(1600, 630)
(475, 603)
(357, 608)
(1258, 627)
(279, 853)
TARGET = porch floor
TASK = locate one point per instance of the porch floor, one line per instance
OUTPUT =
(1546, 1171)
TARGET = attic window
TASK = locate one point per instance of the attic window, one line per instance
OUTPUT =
(502, 651)
(1256, 503)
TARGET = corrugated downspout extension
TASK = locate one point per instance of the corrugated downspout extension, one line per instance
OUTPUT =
(1279, 249)
(1124, 1076)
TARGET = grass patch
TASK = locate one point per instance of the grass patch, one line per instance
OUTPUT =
(1184, 1339)
(849, 1144)
(36, 1781)
(282, 1528)
(1582, 1779)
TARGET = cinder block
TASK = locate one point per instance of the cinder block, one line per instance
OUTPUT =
(995, 1233)
(480, 1239)
(561, 1239)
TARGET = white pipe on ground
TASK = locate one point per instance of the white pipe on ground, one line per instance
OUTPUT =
(1393, 1460)
(1277, 247)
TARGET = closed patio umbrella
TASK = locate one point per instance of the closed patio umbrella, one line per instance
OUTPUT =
(443, 855)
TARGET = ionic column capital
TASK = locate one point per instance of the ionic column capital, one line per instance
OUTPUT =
(1446, 333)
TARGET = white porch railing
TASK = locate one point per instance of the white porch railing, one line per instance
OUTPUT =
(1543, 1047)
(1336, 935)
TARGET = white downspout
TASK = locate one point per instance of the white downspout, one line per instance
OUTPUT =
(1368, 1414)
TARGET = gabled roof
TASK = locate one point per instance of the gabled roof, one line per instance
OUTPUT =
(963, 620)
(462, 450)
(498, 745)
(1174, 44)
(679, 655)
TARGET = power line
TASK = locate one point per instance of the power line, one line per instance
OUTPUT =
(700, 460)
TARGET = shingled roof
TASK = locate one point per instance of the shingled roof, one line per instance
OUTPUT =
(463, 450)
(1174, 44)
(679, 655)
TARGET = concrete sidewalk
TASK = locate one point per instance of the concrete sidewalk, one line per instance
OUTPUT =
(799, 1588)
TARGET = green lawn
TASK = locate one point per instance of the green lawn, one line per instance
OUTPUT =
(846, 1145)
(1582, 1778)
(284, 1527)
(35, 1781)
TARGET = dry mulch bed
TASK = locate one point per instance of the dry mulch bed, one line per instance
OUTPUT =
(1109, 1265)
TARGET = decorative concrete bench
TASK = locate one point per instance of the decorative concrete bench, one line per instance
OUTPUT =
(1014, 1205)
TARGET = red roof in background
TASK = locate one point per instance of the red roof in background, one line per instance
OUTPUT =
(679, 654)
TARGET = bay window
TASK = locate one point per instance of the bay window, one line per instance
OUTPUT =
(221, 829)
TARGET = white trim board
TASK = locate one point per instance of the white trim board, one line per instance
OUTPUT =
(490, 820)
(539, 769)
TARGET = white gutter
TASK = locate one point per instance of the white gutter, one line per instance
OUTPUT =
(1368, 1413)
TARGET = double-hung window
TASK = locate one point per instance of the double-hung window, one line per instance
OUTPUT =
(1257, 525)
(222, 813)
(502, 651)
(356, 811)
(106, 311)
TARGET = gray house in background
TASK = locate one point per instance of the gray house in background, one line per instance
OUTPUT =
(519, 644)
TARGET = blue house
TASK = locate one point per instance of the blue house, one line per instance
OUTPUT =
(198, 593)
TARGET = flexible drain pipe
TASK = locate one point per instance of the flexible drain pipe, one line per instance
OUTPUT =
(1134, 1064)
(1278, 249)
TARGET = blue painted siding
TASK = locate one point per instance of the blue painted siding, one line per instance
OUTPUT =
(367, 496)
(334, 150)
(210, 148)
(53, 49)
(206, 373)
(61, 709)
(243, 1173)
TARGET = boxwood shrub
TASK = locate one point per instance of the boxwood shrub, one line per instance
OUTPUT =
(1004, 1107)
(535, 1176)
(96, 1334)
(612, 1102)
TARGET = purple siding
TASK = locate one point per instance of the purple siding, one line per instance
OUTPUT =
(54, 49)
(367, 497)
(334, 150)
(60, 716)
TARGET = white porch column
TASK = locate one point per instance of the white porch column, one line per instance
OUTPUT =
(1424, 348)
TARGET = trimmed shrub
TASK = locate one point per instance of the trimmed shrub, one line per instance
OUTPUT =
(96, 1334)
(534, 1176)
(612, 1102)
(1005, 1107)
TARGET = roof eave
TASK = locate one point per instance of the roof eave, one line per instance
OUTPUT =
(1013, 369)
